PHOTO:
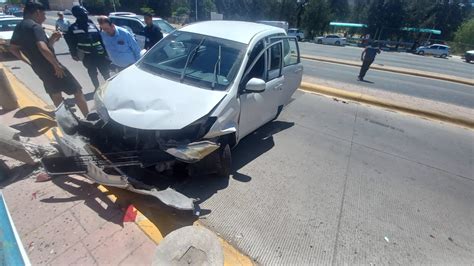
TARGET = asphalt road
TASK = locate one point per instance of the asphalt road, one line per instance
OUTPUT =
(431, 89)
(330, 182)
(451, 66)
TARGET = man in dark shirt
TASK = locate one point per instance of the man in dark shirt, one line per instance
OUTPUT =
(152, 32)
(367, 58)
(30, 44)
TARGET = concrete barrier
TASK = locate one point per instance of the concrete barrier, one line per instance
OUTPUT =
(8, 99)
(363, 98)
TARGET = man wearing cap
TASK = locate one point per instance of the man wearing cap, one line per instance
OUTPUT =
(152, 32)
(85, 44)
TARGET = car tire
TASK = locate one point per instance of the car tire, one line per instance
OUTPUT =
(337, 43)
(421, 52)
(225, 161)
(443, 56)
(320, 41)
(298, 38)
(468, 60)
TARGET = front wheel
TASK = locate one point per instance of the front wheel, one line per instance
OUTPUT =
(320, 42)
(444, 56)
(225, 161)
(421, 52)
(338, 43)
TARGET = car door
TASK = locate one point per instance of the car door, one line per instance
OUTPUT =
(138, 30)
(292, 68)
(256, 109)
(432, 49)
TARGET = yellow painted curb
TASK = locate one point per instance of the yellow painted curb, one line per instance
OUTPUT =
(232, 256)
(363, 98)
(399, 70)
(26, 98)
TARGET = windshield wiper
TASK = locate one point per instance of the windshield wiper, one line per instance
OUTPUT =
(216, 66)
(190, 58)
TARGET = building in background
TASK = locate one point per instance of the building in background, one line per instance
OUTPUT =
(62, 4)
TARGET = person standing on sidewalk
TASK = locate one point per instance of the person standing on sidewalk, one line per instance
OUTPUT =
(367, 57)
(152, 32)
(62, 24)
(30, 44)
(85, 44)
(121, 46)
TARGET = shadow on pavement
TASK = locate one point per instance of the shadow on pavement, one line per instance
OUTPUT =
(33, 110)
(93, 198)
(35, 127)
(367, 81)
(17, 173)
(250, 148)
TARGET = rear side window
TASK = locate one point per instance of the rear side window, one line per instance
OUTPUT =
(136, 26)
(290, 52)
(275, 61)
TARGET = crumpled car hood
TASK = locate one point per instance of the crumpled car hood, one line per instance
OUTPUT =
(138, 99)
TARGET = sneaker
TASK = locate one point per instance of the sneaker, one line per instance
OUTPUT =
(360, 79)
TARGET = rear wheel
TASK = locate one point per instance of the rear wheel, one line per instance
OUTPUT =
(444, 56)
(421, 52)
(320, 41)
(338, 43)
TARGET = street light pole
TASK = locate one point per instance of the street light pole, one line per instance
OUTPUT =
(196, 9)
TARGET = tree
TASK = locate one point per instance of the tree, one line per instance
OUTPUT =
(339, 9)
(316, 17)
(464, 36)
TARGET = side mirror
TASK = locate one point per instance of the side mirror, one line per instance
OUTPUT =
(255, 85)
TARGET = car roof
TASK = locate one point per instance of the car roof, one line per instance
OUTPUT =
(241, 31)
(130, 15)
(10, 18)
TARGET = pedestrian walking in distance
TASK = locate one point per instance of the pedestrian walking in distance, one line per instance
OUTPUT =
(85, 44)
(367, 57)
(121, 46)
(152, 32)
(30, 44)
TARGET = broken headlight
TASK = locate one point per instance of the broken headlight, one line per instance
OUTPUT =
(99, 102)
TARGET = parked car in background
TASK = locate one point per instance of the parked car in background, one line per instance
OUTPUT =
(200, 91)
(434, 49)
(18, 14)
(294, 32)
(274, 23)
(136, 24)
(7, 25)
(331, 39)
(469, 56)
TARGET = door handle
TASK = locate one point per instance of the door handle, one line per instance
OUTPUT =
(298, 70)
(278, 87)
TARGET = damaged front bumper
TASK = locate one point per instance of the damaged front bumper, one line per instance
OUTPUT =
(81, 157)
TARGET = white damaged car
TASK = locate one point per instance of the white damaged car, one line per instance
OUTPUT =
(183, 106)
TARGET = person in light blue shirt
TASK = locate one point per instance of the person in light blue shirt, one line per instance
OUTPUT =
(121, 46)
(62, 24)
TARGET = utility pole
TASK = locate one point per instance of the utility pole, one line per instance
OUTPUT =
(113, 4)
(196, 9)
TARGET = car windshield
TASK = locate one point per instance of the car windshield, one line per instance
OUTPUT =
(8, 25)
(196, 59)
